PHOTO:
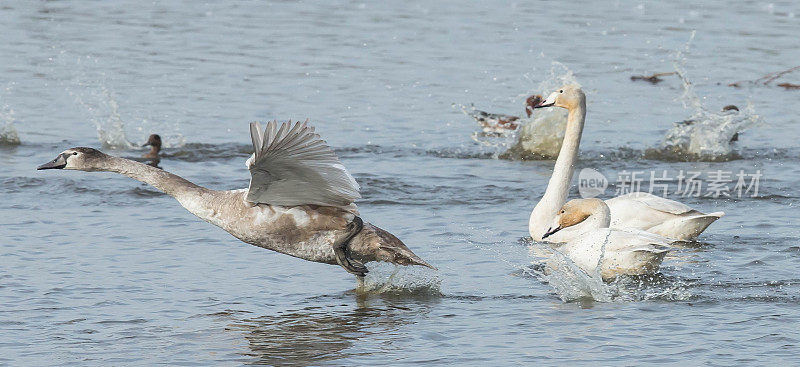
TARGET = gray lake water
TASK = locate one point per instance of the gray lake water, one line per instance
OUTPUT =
(97, 269)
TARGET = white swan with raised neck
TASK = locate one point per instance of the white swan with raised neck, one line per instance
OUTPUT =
(641, 211)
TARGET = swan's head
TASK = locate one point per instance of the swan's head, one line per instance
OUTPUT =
(154, 141)
(80, 158)
(575, 212)
(531, 103)
(568, 96)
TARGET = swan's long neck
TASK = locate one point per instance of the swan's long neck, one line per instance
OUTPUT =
(558, 188)
(173, 185)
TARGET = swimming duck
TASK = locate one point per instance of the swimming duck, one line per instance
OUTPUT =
(300, 201)
(495, 123)
(615, 251)
(642, 211)
(154, 141)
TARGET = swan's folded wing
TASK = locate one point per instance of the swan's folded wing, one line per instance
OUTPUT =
(657, 202)
(630, 239)
(293, 166)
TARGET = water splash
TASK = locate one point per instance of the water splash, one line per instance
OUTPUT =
(569, 281)
(572, 283)
(541, 137)
(103, 108)
(706, 135)
(386, 278)
(102, 104)
(8, 133)
(91, 91)
(490, 140)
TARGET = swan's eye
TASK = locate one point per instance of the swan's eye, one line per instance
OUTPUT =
(563, 211)
(561, 91)
(74, 153)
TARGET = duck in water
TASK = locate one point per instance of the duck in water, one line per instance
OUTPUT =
(154, 141)
(152, 158)
(496, 123)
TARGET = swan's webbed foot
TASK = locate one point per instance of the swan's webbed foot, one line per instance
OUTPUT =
(342, 249)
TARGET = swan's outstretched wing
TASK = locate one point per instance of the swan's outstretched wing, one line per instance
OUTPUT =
(292, 166)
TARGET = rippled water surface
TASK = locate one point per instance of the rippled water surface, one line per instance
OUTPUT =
(98, 269)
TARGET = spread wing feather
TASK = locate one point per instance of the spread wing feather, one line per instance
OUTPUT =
(293, 166)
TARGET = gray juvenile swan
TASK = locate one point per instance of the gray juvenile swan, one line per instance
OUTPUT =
(299, 203)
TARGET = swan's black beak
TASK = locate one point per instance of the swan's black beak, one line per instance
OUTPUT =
(544, 104)
(146, 144)
(551, 231)
(58, 163)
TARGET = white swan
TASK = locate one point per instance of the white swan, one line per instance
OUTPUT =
(299, 203)
(642, 211)
(616, 251)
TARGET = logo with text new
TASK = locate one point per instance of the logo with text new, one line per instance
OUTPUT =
(591, 183)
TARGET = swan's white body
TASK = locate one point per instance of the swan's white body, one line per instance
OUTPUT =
(614, 251)
(622, 252)
(642, 211)
(655, 214)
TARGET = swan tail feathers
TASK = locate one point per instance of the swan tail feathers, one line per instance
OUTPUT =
(686, 228)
